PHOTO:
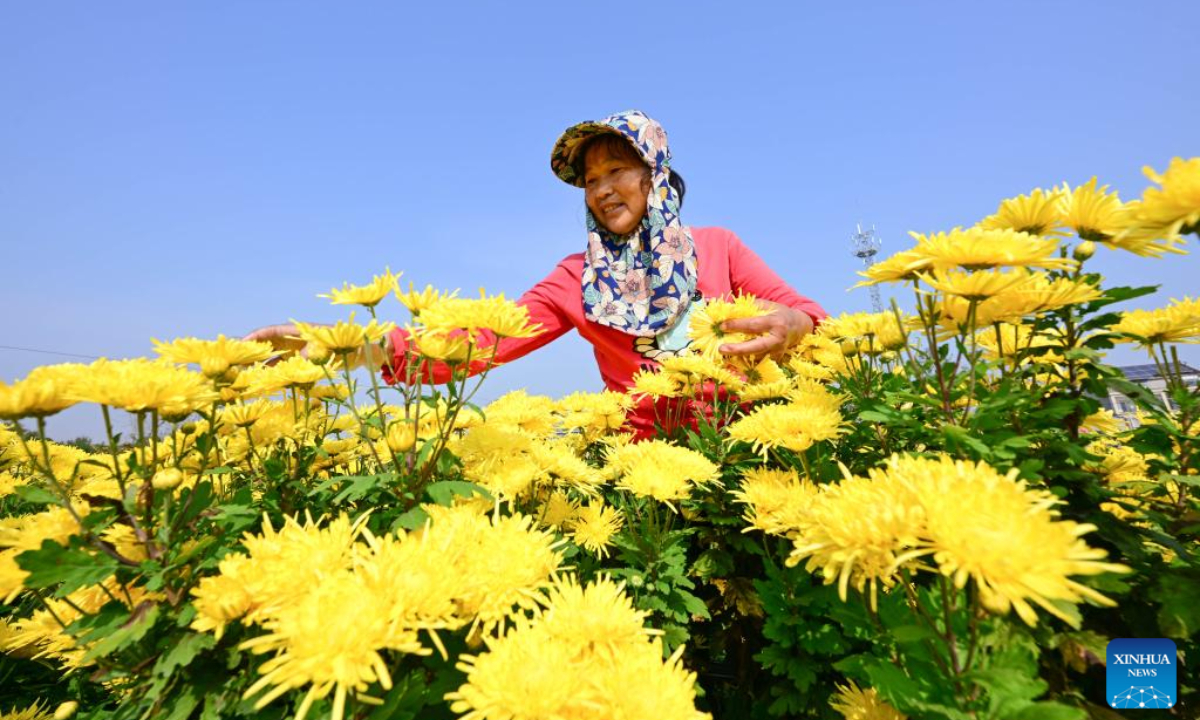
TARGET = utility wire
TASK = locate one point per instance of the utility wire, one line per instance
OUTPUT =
(49, 352)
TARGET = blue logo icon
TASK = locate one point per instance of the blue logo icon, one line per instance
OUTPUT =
(1141, 673)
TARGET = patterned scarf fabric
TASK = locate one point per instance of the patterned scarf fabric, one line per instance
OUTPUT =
(640, 283)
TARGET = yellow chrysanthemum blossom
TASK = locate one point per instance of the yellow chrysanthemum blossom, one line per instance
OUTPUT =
(705, 330)
(416, 302)
(368, 295)
(594, 525)
(503, 317)
(140, 385)
(594, 413)
(558, 510)
(776, 500)
(1038, 213)
(656, 384)
(982, 249)
(1093, 213)
(854, 703)
(1178, 322)
(36, 711)
(1102, 422)
(659, 470)
(44, 391)
(695, 370)
(586, 655)
(793, 426)
(858, 533)
(899, 267)
(28, 532)
(318, 644)
(967, 506)
(214, 357)
(344, 336)
(1167, 212)
(278, 568)
(976, 286)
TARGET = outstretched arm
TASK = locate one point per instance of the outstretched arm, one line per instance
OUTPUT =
(544, 301)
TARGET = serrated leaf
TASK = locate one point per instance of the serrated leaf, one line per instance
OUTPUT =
(52, 564)
(36, 494)
(143, 618)
(444, 492)
(183, 652)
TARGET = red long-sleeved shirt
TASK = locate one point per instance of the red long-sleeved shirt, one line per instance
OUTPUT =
(725, 265)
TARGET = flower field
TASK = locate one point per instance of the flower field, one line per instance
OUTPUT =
(921, 513)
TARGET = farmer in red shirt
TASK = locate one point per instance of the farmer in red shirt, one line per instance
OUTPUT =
(631, 291)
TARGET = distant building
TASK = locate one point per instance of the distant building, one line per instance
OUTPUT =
(1147, 376)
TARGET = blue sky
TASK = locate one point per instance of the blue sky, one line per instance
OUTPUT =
(171, 169)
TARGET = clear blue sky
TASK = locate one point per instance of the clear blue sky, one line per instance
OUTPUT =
(192, 168)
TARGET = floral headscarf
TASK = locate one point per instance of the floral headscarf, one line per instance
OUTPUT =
(640, 283)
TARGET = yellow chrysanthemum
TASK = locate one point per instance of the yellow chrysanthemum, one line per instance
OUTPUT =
(317, 643)
(594, 525)
(1094, 214)
(776, 500)
(705, 331)
(368, 295)
(344, 336)
(1178, 322)
(214, 357)
(659, 470)
(28, 532)
(1038, 213)
(858, 533)
(139, 385)
(656, 384)
(968, 506)
(857, 704)
(981, 249)
(503, 317)
(36, 711)
(1164, 213)
(557, 510)
(976, 286)
(899, 267)
(416, 302)
(45, 391)
(793, 426)
(586, 655)
(698, 369)
(594, 413)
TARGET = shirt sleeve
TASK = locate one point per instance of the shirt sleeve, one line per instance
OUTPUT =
(750, 275)
(546, 303)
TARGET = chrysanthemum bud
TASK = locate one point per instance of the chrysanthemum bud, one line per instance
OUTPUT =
(1084, 250)
(66, 710)
(167, 478)
(188, 428)
(401, 437)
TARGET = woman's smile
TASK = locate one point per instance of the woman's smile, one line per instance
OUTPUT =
(616, 187)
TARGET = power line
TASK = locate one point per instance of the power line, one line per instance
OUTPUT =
(49, 352)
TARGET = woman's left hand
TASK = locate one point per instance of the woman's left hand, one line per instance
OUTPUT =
(777, 330)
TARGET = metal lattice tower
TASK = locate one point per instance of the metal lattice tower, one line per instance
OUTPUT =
(866, 246)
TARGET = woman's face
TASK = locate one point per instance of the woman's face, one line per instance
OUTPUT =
(615, 187)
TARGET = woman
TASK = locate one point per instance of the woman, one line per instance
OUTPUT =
(630, 293)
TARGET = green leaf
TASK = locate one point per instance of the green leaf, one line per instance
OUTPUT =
(1048, 711)
(143, 618)
(413, 519)
(73, 567)
(36, 494)
(444, 492)
(183, 652)
(911, 634)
